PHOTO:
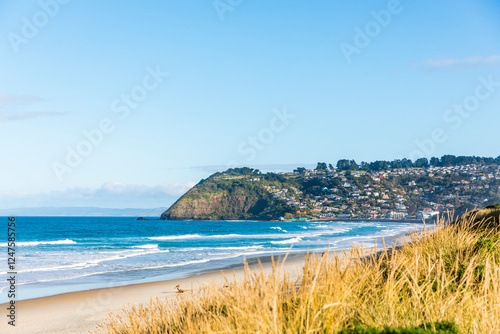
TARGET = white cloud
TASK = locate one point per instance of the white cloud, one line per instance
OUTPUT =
(116, 188)
(13, 99)
(12, 108)
(109, 195)
(6, 116)
(459, 63)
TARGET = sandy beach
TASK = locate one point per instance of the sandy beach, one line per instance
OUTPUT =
(79, 312)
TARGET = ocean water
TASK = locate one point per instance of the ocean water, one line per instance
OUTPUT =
(63, 254)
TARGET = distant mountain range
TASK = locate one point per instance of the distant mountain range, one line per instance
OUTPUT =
(83, 212)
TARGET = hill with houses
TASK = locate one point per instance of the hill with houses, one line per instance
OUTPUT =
(395, 190)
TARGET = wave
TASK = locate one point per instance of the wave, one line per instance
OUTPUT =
(149, 246)
(288, 241)
(175, 237)
(240, 248)
(96, 262)
(37, 243)
(322, 232)
(170, 265)
(190, 249)
(305, 234)
(198, 236)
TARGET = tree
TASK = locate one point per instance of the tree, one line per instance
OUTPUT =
(354, 165)
(321, 166)
(379, 165)
(300, 170)
(396, 164)
(345, 164)
(406, 163)
(243, 171)
(421, 163)
(448, 160)
(331, 166)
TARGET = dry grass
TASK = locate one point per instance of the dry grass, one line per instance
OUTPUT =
(452, 274)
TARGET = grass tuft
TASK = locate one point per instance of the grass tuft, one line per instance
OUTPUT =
(445, 281)
(443, 327)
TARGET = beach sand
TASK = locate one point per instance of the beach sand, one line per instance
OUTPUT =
(78, 312)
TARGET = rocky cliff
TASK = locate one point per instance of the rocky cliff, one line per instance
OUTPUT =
(227, 197)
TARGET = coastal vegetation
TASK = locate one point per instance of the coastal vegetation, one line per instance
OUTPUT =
(446, 280)
(399, 189)
(233, 195)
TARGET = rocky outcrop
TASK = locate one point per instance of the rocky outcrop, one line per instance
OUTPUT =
(219, 198)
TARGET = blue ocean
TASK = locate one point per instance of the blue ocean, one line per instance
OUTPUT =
(63, 254)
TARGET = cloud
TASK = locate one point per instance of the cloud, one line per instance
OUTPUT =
(459, 63)
(11, 108)
(12, 99)
(116, 188)
(109, 195)
(7, 116)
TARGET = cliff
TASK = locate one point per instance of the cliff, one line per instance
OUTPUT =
(228, 196)
(247, 194)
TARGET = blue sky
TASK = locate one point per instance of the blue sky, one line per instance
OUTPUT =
(258, 83)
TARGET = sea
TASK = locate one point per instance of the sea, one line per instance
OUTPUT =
(56, 255)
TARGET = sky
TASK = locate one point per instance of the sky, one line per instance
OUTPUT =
(129, 104)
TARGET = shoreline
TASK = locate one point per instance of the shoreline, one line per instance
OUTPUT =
(80, 282)
(79, 312)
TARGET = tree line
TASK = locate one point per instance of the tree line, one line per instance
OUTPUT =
(380, 165)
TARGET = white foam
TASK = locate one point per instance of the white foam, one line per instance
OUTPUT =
(321, 226)
(197, 236)
(96, 262)
(175, 237)
(37, 243)
(288, 241)
(242, 247)
(149, 246)
(190, 249)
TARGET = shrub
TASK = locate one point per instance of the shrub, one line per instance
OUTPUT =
(443, 327)
(445, 279)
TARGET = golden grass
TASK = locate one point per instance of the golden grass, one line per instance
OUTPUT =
(450, 274)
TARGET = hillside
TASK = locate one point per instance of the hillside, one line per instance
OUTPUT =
(233, 195)
(329, 193)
